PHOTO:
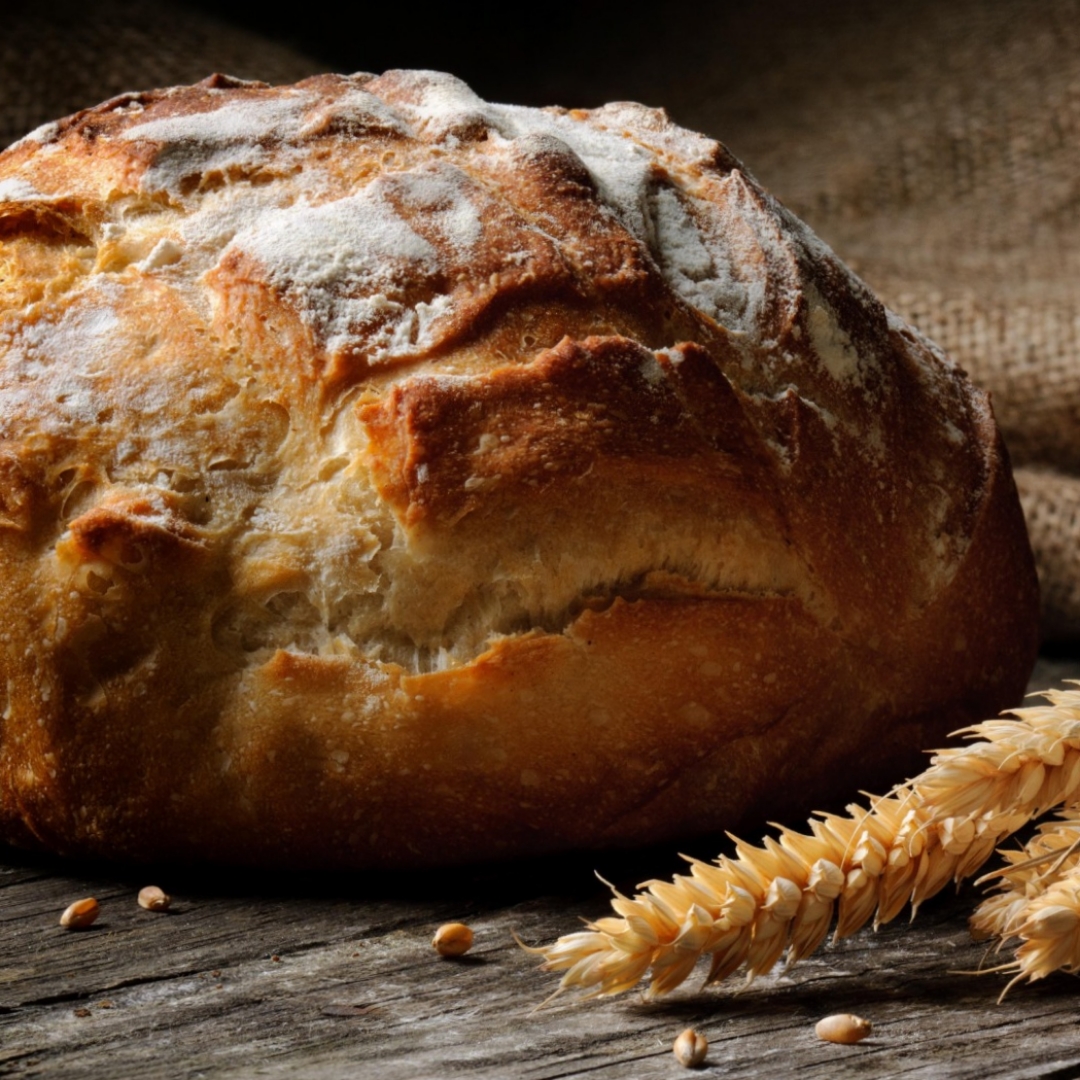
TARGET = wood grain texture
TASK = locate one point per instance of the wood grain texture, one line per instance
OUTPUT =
(252, 975)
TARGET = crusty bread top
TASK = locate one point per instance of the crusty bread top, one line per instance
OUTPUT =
(368, 371)
(348, 235)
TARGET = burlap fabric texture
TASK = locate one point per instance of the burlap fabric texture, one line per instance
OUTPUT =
(935, 146)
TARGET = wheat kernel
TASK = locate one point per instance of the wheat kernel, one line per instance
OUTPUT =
(81, 913)
(452, 939)
(154, 899)
(690, 1048)
(843, 1028)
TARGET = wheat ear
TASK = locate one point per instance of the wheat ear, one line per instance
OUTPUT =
(747, 911)
(1038, 902)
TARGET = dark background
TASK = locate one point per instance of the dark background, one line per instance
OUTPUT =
(697, 59)
(523, 53)
(531, 54)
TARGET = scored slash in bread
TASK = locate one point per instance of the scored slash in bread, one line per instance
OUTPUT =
(388, 478)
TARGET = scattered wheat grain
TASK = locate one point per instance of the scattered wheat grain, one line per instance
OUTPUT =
(690, 1048)
(81, 914)
(154, 899)
(452, 939)
(843, 1028)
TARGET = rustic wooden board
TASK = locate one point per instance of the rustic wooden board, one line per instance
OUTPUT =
(253, 975)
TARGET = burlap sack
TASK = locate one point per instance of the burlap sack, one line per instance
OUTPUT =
(935, 146)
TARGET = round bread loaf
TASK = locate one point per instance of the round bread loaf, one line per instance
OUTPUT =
(388, 478)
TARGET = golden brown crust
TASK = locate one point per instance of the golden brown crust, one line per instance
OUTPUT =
(389, 478)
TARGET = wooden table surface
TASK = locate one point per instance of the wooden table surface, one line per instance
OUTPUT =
(255, 975)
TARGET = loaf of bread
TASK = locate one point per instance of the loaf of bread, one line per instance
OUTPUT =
(388, 478)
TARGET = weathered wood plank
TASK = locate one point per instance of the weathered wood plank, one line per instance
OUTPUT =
(257, 975)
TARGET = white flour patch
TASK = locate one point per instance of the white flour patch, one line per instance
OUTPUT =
(355, 110)
(832, 345)
(698, 267)
(343, 264)
(235, 137)
(15, 190)
(622, 170)
(237, 122)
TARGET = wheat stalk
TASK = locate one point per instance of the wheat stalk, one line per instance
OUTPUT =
(749, 910)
